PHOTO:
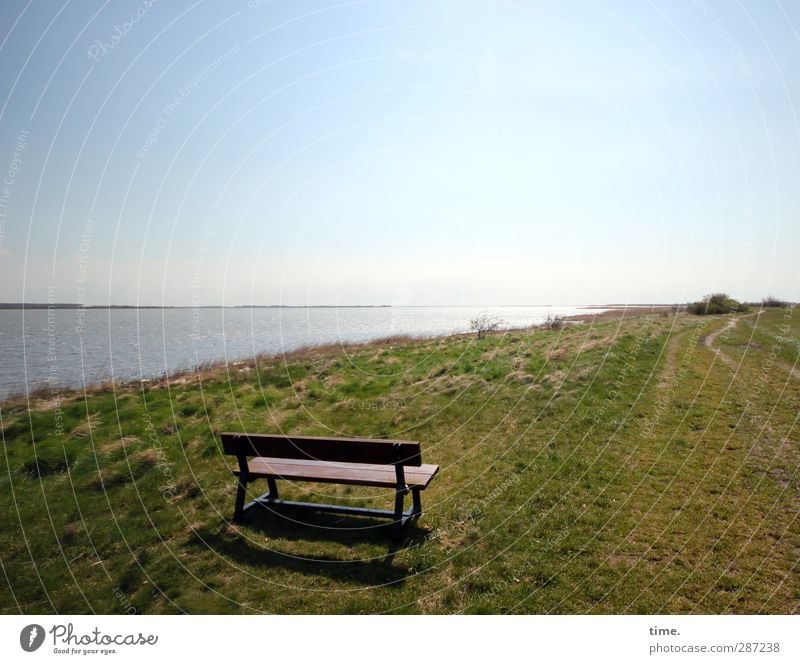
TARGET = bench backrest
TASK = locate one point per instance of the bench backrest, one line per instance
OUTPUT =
(351, 450)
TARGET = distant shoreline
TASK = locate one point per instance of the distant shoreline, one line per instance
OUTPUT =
(71, 305)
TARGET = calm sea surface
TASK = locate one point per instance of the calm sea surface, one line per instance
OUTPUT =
(70, 348)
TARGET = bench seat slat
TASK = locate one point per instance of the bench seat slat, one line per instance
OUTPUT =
(360, 474)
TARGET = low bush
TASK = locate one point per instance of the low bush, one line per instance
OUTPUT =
(770, 301)
(714, 304)
(485, 324)
(554, 323)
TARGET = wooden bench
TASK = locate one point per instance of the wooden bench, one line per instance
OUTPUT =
(395, 464)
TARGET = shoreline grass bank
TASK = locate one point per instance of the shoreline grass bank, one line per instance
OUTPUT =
(50, 393)
(618, 466)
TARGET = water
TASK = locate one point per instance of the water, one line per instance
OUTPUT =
(69, 348)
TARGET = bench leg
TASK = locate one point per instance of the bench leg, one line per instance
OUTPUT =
(273, 488)
(241, 493)
(399, 500)
(417, 512)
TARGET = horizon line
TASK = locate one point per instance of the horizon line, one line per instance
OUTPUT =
(77, 305)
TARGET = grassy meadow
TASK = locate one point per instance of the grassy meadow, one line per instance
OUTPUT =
(637, 464)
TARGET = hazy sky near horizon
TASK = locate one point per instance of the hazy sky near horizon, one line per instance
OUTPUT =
(405, 153)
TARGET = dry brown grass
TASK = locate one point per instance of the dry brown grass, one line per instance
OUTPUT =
(557, 353)
(520, 377)
(148, 456)
(84, 429)
(594, 344)
(119, 444)
(557, 378)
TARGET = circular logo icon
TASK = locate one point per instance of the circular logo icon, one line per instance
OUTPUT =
(31, 637)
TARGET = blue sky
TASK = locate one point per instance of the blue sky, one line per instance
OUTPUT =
(380, 152)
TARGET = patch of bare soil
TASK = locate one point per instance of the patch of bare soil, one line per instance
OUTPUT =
(710, 338)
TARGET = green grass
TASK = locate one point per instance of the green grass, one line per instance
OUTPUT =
(614, 467)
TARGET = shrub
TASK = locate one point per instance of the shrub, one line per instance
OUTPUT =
(770, 301)
(554, 323)
(716, 303)
(484, 324)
